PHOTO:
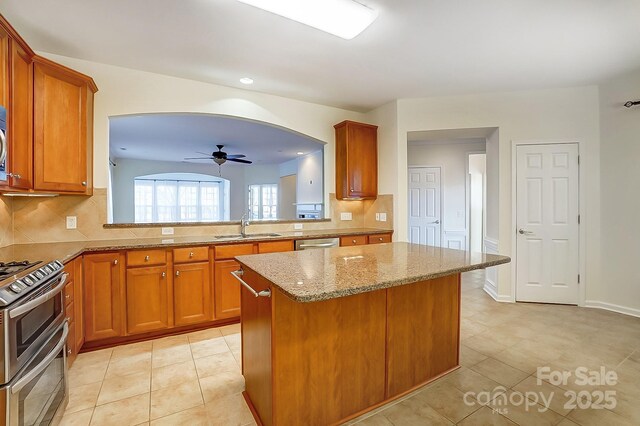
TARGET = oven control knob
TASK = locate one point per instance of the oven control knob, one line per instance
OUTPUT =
(39, 274)
(15, 288)
(28, 280)
(47, 269)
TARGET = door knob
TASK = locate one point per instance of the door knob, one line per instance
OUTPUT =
(437, 222)
(523, 232)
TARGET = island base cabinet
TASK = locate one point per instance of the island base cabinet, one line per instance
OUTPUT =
(423, 325)
(326, 362)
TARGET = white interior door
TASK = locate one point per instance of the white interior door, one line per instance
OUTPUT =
(424, 205)
(547, 260)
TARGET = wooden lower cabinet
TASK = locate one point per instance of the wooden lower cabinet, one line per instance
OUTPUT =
(147, 299)
(226, 289)
(192, 293)
(103, 296)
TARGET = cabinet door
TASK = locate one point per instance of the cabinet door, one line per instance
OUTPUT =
(356, 160)
(227, 290)
(60, 123)
(362, 161)
(20, 118)
(192, 293)
(103, 297)
(78, 302)
(353, 240)
(148, 295)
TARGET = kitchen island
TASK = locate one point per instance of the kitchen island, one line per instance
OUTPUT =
(328, 335)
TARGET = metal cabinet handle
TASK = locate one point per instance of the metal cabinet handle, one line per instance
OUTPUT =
(146, 258)
(190, 254)
(15, 176)
(177, 273)
(67, 296)
(84, 183)
(164, 274)
(115, 262)
(69, 351)
(523, 232)
(264, 293)
(379, 238)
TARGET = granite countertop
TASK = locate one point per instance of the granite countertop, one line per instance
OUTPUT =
(69, 250)
(315, 275)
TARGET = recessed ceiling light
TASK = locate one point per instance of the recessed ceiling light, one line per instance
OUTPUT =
(300, 153)
(246, 80)
(342, 18)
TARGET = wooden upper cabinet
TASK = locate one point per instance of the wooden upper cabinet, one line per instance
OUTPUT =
(103, 296)
(356, 161)
(16, 96)
(63, 128)
(147, 299)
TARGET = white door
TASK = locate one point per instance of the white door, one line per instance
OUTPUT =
(547, 262)
(424, 205)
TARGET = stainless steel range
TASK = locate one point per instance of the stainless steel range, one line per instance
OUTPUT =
(33, 334)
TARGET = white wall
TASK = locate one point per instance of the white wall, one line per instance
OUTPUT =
(620, 202)
(452, 158)
(125, 91)
(543, 115)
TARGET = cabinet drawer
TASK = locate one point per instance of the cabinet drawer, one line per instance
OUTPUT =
(146, 257)
(379, 238)
(70, 269)
(70, 313)
(191, 254)
(275, 246)
(354, 240)
(230, 251)
(68, 293)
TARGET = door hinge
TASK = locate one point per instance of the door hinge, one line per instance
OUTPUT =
(578, 219)
(578, 278)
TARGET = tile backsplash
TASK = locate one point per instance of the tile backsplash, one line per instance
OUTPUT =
(6, 221)
(31, 220)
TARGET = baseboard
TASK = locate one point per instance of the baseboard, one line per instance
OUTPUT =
(612, 307)
(490, 289)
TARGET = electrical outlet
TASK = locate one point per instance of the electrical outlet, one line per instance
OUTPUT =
(383, 217)
(297, 226)
(377, 216)
(167, 231)
(72, 222)
(346, 216)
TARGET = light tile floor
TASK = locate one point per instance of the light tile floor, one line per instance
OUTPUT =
(194, 379)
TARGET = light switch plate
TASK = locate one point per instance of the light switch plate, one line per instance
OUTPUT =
(167, 231)
(383, 217)
(377, 216)
(72, 222)
(297, 226)
(345, 216)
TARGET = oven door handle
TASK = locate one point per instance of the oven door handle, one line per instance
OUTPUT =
(27, 378)
(23, 309)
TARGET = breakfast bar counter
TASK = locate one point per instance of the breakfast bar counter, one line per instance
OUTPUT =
(328, 335)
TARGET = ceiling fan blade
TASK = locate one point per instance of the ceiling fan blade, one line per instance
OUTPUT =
(203, 153)
(199, 158)
(236, 160)
(236, 156)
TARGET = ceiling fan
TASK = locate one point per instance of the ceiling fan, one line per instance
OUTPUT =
(220, 157)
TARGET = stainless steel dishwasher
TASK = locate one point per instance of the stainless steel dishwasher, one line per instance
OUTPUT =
(319, 243)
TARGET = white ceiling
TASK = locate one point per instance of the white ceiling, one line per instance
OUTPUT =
(415, 48)
(172, 137)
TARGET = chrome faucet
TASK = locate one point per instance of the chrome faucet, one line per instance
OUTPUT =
(244, 222)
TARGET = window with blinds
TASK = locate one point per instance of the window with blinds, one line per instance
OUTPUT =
(263, 201)
(158, 201)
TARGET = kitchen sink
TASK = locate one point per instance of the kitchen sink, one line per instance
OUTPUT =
(248, 236)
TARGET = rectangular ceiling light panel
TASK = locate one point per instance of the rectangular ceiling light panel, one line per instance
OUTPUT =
(343, 18)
